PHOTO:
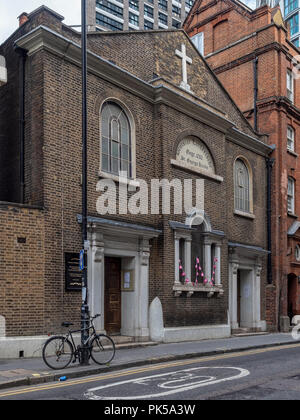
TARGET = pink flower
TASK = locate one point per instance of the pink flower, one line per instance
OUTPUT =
(197, 259)
(186, 280)
(215, 266)
(205, 280)
(180, 267)
(183, 274)
(202, 275)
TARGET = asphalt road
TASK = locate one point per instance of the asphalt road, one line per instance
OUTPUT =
(264, 374)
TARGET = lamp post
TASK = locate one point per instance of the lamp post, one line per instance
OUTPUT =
(84, 306)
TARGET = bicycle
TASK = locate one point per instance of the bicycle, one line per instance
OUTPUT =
(59, 350)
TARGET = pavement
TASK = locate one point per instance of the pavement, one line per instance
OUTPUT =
(25, 371)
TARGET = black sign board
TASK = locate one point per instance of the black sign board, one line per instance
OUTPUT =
(73, 276)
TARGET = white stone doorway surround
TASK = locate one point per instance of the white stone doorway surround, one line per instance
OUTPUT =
(130, 243)
(245, 266)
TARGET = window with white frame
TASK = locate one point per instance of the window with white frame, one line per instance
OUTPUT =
(291, 195)
(297, 252)
(116, 151)
(290, 85)
(290, 138)
(198, 41)
(242, 185)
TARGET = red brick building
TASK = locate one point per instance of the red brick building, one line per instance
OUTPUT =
(159, 112)
(250, 52)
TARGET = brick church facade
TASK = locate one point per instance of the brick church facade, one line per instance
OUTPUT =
(157, 113)
(251, 53)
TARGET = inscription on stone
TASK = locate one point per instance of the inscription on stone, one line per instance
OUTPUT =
(195, 154)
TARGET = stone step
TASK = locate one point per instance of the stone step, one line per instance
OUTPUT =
(121, 339)
(135, 345)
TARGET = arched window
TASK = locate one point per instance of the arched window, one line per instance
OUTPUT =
(116, 148)
(242, 185)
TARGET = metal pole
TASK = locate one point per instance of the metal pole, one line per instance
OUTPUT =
(84, 306)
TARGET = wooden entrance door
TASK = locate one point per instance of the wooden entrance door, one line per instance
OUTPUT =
(112, 308)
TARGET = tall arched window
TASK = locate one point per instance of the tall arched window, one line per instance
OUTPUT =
(116, 149)
(242, 186)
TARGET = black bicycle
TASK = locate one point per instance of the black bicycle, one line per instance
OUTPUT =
(60, 351)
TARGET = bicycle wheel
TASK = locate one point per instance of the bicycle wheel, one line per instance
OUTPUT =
(102, 349)
(58, 352)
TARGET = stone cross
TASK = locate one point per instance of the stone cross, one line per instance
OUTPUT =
(185, 60)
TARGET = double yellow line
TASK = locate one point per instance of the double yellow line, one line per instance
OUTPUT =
(103, 377)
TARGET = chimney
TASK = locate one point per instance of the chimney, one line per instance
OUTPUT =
(23, 18)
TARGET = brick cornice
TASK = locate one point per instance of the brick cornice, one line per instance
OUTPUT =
(249, 57)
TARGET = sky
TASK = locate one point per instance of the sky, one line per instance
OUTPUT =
(70, 9)
(11, 9)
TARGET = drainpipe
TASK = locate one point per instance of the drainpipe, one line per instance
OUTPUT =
(22, 61)
(269, 163)
(255, 66)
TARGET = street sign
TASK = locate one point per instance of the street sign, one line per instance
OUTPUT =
(81, 260)
(73, 276)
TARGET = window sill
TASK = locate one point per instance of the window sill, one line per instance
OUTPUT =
(292, 215)
(120, 180)
(291, 152)
(244, 214)
(190, 289)
(196, 170)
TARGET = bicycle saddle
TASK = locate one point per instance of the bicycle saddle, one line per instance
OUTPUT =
(66, 324)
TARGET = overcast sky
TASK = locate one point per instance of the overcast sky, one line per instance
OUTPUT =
(70, 9)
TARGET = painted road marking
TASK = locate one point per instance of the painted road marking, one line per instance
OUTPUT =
(178, 381)
(161, 366)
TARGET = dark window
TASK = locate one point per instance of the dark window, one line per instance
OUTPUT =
(293, 22)
(163, 4)
(176, 24)
(116, 140)
(134, 4)
(148, 11)
(109, 23)
(289, 6)
(110, 7)
(176, 11)
(133, 19)
(189, 3)
(163, 18)
(147, 24)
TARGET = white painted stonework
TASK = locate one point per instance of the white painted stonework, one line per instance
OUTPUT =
(131, 244)
(156, 322)
(203, 332)
(2, 326)
(245, 267)
(3, 71)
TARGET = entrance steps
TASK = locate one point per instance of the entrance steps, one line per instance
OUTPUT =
(246, 332)
(126, 342)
